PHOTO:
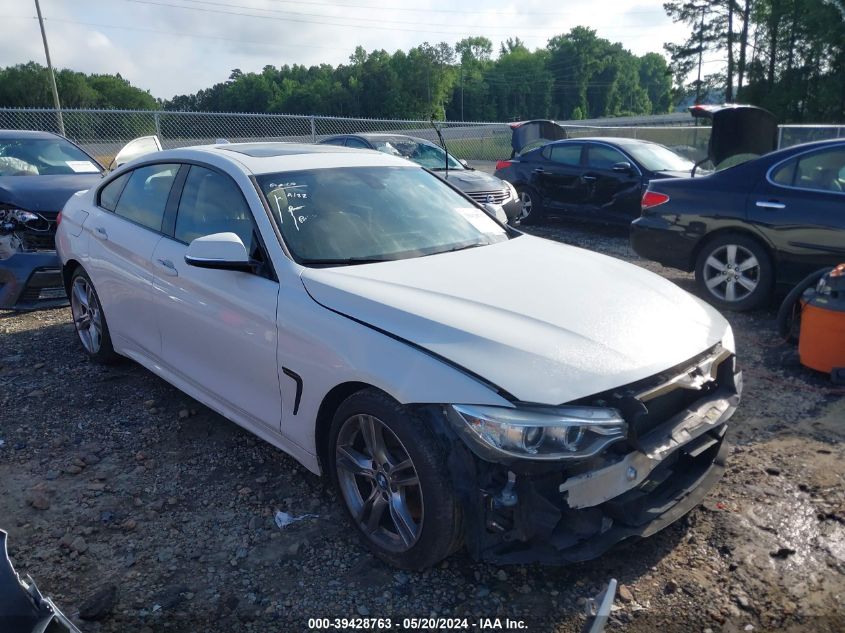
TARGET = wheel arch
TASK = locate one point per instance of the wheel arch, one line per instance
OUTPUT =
(738, 230)
(68, 269)
(329, 405)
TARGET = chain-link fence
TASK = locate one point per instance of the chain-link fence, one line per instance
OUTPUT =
(104, 132)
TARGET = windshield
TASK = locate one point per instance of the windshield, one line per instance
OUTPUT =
(43, 157)
(425, 154)
(349, 215)
(655, 157)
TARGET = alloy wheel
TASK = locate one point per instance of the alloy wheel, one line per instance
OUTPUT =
(379, 483)
(731, 273)
(87, 314)
(527, 203)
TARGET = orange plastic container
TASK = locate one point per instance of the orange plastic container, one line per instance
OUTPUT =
(821, 345)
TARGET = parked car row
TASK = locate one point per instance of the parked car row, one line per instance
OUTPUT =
(756, 220)
(368, 316)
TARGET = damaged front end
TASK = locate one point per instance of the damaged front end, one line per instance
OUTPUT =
(651, 462)
(30, 272)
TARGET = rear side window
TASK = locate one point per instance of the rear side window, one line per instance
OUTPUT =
(356, 143)
(604, 157)
(110, 194)
(145, 196)
(785, 174)
(568, 154)
(211, 202)
(335, 141)
(821, 170)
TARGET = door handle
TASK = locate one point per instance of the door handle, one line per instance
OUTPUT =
(770, 204)
(169, 267)
(100, 232)
(588, 178)
(539, 170)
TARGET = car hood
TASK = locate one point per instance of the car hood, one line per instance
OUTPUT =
(43, 193)
(472, 181)
(546, 322)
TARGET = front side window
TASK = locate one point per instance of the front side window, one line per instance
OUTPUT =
(145, 195)
(211, 203)
(352, 215)
(604, 157)
(44, 157)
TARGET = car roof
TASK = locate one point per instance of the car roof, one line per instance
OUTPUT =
(614, 140)
(384, 136)
(6, 135)
(267, 158)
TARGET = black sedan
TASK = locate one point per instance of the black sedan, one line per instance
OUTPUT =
(39, 171)
(599, 179)
(769, 221)
(481, 187)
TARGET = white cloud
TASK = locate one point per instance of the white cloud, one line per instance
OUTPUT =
(172, 50)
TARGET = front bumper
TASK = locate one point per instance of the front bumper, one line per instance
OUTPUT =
(29, 281)
(526, 512)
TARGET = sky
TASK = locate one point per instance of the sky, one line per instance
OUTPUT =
(174, 47)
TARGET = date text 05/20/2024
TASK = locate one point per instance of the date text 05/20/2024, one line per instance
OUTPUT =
(410, 624)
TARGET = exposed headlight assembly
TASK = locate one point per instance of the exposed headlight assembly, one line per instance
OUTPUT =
(512, 190)
(539, 433)
(11, 218)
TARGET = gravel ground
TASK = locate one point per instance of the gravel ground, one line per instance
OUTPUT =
(133, 505)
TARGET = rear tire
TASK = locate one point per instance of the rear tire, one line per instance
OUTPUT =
(734, 272)
(89, 319)
(532, 205)
(391, 475)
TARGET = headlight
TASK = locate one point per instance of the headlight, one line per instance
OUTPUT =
(11, 216)
(728, 340)
(540, 433)
(511, 188)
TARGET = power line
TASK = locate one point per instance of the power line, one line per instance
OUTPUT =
(182, 34)
(368, 23)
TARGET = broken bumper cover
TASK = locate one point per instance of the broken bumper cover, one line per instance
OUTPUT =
(559, 516)
(29, 281)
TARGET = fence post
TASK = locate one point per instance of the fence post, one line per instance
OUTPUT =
(313, 129)
(158, 125)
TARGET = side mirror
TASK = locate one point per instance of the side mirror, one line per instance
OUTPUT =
(224, 251)
(463, 162)
(623, 167)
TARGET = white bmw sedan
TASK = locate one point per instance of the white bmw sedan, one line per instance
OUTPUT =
(459, 382)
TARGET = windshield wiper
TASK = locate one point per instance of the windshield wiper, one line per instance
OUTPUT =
(460, 247)
(348, 261)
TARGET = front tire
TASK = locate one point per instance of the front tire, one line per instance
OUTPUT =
(532, 205)
(392, 476)
(735, 272)
(89, 319)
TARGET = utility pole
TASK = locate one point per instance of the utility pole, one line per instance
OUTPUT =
(700, 54)
(462, 92)
(56, 103)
